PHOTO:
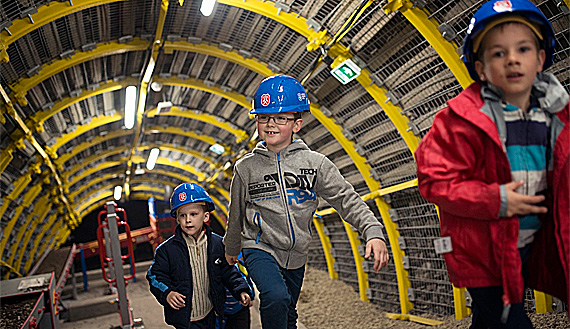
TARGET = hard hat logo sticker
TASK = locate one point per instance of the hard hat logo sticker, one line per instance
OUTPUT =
(265, 99)
(502, 6)
(182, 196)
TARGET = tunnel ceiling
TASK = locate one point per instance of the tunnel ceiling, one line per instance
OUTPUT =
(66, 65)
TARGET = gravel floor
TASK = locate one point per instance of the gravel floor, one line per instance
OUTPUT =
(327, 303)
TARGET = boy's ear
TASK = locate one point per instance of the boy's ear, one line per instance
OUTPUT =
(297, 125)
(479, 66)
(541, 59)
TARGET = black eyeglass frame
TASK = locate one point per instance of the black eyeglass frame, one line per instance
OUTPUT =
(279, 120)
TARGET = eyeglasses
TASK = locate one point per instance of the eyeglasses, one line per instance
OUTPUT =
(280, 120)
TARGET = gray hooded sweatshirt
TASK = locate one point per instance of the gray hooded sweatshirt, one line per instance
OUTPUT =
(274, 197)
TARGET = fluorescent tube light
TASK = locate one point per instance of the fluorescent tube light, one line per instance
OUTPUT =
(130, 106)
(153, 156)
(217, 148)
(207, 7)
(117, 193)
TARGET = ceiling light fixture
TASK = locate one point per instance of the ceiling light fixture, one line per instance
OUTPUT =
(139, 170)
(156, 86)
(153, 156)
(217, 148)
(118, 192)
(130, 105)
(207, 7)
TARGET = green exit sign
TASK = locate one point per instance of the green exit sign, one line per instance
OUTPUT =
(346, 71)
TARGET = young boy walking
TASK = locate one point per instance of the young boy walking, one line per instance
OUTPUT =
(189, 270)
(496, 163)
(274, 193)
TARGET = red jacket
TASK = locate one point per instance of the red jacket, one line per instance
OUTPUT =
(461, 164)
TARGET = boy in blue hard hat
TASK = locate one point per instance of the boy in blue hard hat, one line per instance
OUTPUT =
(496, 162)
(274, 193)
(189, 270)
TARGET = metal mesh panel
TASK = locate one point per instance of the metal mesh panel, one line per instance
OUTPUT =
(418, 226)
(383, 286)
(341, 251)
(316, 254)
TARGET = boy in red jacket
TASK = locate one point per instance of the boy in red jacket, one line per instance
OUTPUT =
(494, 163)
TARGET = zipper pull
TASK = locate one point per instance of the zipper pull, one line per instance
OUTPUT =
(197, 250)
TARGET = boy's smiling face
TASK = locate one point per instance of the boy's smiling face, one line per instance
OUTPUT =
(511, 60)
(191, 218)
(278, 136)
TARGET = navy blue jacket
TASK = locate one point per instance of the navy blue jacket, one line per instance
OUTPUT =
(170, 271)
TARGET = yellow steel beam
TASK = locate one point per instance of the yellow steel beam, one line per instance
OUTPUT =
(414, 318)
(28, 198)
(459, 305)
(26, 239)
(42, 206)
(48, 240)
(47, 13)
(448, 53)
(393, 111)
(39, 238)
(103, 197)
(70, 215)
(383, 207)
(119, 133)
(6, 155)
(186, 179)
(95, 123)
(60, 161)
(326, 243)
(19, 186)
(89, 171)
(62, 236)
(73, 194)
(340, 53)
(143, 89)
(37, 120)
(358, 260)
(210, 49)
(268, 9)
(428, 28)
(12, 269)
(195, 84)
(204, 117)
(191, 134)
(21, 88)
(161, 161)
(543, 302)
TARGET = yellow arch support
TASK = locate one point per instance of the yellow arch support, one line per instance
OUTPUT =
(338, 52)
(21, 88)
(326, 243)
(445, 49)
(46, 14)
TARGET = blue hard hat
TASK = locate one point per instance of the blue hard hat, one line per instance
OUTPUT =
(189, 193)
(280, 94)
(500, 9)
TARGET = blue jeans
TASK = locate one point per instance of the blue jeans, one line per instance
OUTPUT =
(279, 289)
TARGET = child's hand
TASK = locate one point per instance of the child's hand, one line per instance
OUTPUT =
(175, 300)
(232, 260)
(245, 299)
(520, 204)
(381, 256)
